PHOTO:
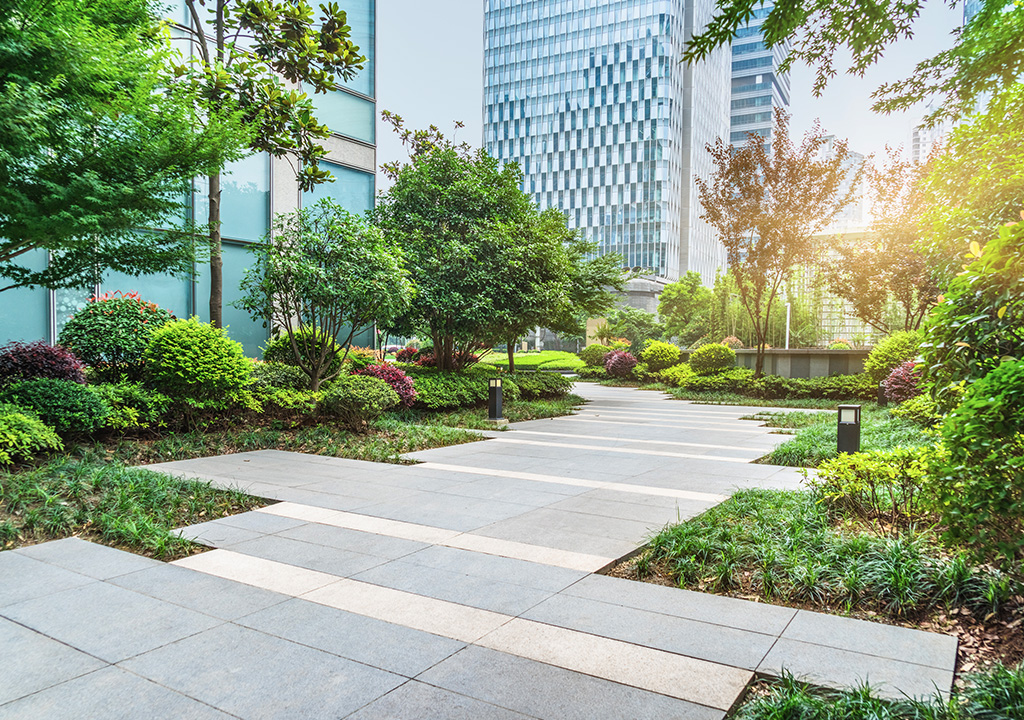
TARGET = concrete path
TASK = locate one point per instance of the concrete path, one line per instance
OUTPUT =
(462, 587)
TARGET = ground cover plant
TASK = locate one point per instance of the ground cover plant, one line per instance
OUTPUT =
(543, 360)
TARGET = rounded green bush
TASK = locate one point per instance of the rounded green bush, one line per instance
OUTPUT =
(593, 355)
(279, 349)
(133, 407)
(65, 406)
(197, 364)
(920, 410)
(893, 350)
(712, 358)
(278, 375)
(111, 333)
(356, 400)
(23, 435)
(677, 375)
(659, 355)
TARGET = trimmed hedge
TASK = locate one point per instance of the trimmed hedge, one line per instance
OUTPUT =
(65, 406)
(593, 355)
(712, 358)
(357, 400)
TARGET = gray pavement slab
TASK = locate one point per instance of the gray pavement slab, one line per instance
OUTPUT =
(34, 662)
(253, 675)
(551, 693)
(217, 533)
(354, 541)
(97, 561)
(108, 694)
(333, 561)
(367, 640)
(498, 569)
(25, 578)
(419, 700)
(107, 621)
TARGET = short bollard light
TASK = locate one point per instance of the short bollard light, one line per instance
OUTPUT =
(494, 399)
(848, 437)
(882, 399)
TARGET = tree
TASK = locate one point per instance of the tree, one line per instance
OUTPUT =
(976, 184)
(765, 205)
(321, 276)
(685, 308)
(637, 326)
(548, 280)
(884, 267)
(241, 64)
(447, 209)
(95, 144)
(986, 56)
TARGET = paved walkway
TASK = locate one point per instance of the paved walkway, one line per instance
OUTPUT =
(459, 588)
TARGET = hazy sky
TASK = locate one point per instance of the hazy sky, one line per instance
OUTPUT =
(430, 71)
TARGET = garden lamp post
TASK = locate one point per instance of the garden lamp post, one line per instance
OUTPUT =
(848, 436)
(494, 399)
(882, 399)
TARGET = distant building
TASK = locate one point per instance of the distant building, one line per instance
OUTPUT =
(757, 86)
(607, 125)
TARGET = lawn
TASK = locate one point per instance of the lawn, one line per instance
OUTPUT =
(543, 360)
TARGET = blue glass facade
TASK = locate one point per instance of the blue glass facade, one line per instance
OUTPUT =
(251, 190)
(757, 86)
(594, 105)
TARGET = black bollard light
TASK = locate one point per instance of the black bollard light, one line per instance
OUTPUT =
(494, 399)
(882, 399)
(848, 436)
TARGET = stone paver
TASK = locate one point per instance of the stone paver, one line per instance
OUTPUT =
(461, 587)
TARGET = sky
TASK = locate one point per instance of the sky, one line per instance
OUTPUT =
(430, 71)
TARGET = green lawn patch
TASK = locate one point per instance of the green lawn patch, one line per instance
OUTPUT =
(544, 360)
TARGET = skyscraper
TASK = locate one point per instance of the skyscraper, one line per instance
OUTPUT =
(607, 125)
(757, 86)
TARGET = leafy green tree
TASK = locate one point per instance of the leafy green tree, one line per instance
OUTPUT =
(245, 55)
(322, 275)
(976, 184)
(637, 326)
(95, 143)
(885, 268)
(986, 56)
(549, 277)
(450, 210)
(765, 204)
(685, 308)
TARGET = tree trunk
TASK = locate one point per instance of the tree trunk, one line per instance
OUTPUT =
(216, 261)
(511, 356)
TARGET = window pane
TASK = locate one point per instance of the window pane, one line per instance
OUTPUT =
(361, 19)
(24, 312)
(240, 327)
(352, 189)
(169, 292)
(244, 198)
(345, 114)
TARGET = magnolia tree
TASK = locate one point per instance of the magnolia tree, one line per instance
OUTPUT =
(321, 276)
(766, 203)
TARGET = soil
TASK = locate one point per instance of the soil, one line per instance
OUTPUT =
(982, 640)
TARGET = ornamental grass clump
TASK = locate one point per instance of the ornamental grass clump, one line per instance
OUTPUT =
(111, 333)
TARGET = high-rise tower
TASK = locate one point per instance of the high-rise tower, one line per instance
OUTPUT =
(757, 86)
(606, 123)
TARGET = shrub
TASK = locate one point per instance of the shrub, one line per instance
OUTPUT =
(65, 406)
(701, 342)
(23, 435)
(591, 373)
(980, 486)
(641, 372)
(267, 375)
(309, 342)
(839, 345)
(712, 358)
(876, 484)
(111, 333)
(619, 364)
(734, 380)
(539, 385)
(593, 355)
(677, 375)
(360, 358)
(406, 354)
(356, 400)
(660, 355)
(132, 406)
(920, 410)
(29, 361)
(401, 383)
(902, 383)
(771, 387)
(299, 400)
(197, 365)
(893, 350)
(731, 341)
(839, 387)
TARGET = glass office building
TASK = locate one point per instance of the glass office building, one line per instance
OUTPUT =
(757, 86)
(591, 101)
(252, 191)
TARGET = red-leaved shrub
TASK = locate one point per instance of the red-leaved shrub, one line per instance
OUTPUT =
(396, 378)
(902, 383)
(37, 359)
(619, 363)
(406, 355)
